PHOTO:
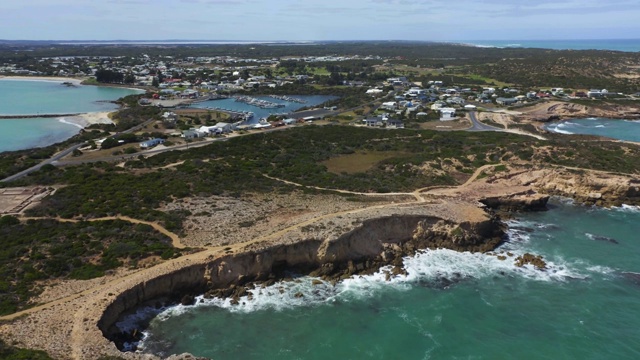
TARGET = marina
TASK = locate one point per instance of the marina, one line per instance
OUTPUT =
(253, 114)
(263, 104)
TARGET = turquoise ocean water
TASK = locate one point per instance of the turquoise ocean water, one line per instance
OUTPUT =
(28, 97)
(627, 45)
(617, 129)
(450, 306)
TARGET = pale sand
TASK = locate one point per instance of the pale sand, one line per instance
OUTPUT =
(88, 119)
(44, 78)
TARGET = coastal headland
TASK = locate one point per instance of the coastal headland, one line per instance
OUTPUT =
(101, 226)
(78, 322)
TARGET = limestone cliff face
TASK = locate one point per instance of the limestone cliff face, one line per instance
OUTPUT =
(476, 237)
(370, 240)
(592, 188)
(517, 202)
(565, 110)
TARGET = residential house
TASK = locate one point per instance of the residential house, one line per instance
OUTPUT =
(506, 101)
(391, 105)
(595, 93)
(372, 122)
(447, 114)
(151, 143)
(192, 134)
(395, 123)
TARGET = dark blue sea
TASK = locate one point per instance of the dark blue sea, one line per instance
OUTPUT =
(627, 45)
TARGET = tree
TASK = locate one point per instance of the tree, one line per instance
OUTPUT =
(155, 82)
(129, 78)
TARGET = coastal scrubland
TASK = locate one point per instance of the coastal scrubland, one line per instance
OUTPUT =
(64, 238)
(311, 155)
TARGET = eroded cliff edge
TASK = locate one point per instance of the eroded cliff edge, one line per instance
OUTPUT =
(330, 249)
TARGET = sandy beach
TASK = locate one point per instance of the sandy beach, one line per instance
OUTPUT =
(88, 119)
(44, 78)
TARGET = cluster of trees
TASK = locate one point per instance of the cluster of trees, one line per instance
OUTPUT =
(114, 77)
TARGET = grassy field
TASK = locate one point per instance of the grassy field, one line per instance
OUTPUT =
(359, 162)
(497, 83)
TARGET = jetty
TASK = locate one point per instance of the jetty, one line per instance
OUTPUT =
(288, 98)
(247, 115)
(263, 104)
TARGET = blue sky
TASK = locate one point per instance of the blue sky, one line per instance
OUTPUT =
(429, 20)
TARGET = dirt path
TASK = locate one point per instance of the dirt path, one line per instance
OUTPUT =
(175, 239)
(213, 251)
(90, 296)
(344, 191)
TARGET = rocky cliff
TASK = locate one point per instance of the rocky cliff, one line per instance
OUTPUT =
(591, 188)
(556, 110)
(364, 249)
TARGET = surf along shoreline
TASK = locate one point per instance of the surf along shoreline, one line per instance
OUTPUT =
(399, 231)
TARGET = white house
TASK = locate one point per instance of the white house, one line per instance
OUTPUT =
(391, 105)
(447, 114)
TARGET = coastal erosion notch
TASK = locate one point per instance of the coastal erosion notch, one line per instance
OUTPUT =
(368, 246)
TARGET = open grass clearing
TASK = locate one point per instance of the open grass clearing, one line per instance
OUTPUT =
(360, 161)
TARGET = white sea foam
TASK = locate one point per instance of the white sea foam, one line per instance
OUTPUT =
(558, 129)
(65, 121)
(435, 267)
(627, 208)
(604, 270)
(600, 126)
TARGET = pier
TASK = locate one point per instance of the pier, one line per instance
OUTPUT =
(288, 98)
(263, 104)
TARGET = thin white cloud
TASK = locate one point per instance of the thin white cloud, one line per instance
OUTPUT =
(312, 19)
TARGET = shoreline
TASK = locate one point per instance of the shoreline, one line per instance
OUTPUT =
(83, 318)
(73, 81)
(87, 119)
(60, 79)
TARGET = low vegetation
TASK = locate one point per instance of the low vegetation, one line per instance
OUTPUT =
(39, 250)
(8, 352)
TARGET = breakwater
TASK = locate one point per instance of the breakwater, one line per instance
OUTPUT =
(38, 116)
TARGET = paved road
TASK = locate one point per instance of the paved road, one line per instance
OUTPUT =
(54, 159)
(478, 126)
